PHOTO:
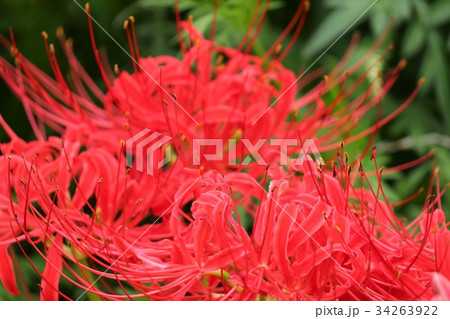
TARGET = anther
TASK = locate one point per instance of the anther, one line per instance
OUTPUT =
(402, 64)
(421, 82)
(59, 32)
(307, 5)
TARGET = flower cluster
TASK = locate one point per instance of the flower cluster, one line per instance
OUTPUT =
(316, 231)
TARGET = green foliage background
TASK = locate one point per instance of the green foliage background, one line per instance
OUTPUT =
(421, 33)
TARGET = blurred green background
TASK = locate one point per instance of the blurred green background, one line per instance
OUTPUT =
(421, 34)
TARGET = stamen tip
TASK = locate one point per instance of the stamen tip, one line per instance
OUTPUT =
(69, 42)
(360, 166)
(421, 81)
(44, 35)
(278, 48)
(374, 153)
(219, 59)
(307, 5)
(403, 63)
(59, 31)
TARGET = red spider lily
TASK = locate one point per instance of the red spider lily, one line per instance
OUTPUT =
(441, 287)
(315, 238)
(230, 94)
(119, 234)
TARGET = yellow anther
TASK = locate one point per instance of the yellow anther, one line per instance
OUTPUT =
(307, 5)
(69, 42)
(421, 82)
(59, 32)
(278, 48)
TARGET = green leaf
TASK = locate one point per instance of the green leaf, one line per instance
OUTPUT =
(440, 13)
(155, 3)
(379, 20)
(412, 181)
(413, 40)
(427, 70)
(401, 9)
(422, 10)
(442, 83)
(332, 26)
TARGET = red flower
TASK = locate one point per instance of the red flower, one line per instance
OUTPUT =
(441, 287)
(212, 92)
